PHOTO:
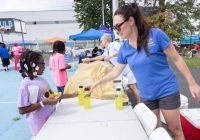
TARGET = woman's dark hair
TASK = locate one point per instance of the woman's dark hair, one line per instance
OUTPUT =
(25, 59)
(143, 28)
(59, 47)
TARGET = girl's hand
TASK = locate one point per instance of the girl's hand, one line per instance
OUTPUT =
(68, 66)
(195, 91)
(75, 94)
(52, 101)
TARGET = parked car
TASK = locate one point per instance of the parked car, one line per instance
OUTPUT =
(78, 51)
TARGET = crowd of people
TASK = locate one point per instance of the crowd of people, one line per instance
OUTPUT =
(142, 58)
(6, 54)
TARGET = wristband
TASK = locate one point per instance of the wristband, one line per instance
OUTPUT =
(41, 103)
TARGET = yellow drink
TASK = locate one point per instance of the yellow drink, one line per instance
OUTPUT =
(118, 99)
(87, 99)
(80, 95)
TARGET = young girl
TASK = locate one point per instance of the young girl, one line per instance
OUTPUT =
(17, 51)
(58, 66)
(31, 100)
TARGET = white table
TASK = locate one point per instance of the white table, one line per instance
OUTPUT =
(103, 122)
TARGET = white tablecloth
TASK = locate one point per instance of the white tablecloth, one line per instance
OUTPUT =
(103, 122)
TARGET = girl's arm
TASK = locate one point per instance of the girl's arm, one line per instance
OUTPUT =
(36, 106)
(67, 67)
(182, 67)
(72, 95)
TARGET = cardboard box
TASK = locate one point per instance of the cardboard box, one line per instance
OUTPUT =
(190, 121)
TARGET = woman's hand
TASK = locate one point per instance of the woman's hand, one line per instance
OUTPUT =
(195, 91)
(91, 87)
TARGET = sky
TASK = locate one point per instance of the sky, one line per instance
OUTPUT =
(35, 5)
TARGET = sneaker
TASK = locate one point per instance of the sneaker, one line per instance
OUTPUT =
(190, 57)
(8, 69)
(5, 69)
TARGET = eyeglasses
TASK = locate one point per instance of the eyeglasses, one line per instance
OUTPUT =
(117, 27)
(41, 63)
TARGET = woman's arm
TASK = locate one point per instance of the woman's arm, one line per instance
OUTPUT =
(110, 76)
(182, 67)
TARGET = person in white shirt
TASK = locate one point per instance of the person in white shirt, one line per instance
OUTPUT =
(110, 55)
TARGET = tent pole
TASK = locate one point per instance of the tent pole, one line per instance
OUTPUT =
(2, 37)
(22, 32)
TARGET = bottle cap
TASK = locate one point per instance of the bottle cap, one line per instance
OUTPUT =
(80, 86)
(118, 89)
(86, 89)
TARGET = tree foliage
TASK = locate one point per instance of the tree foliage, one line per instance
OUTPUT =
(175, 17)
(89, 13)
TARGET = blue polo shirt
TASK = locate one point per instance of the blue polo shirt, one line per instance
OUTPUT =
(155, 78)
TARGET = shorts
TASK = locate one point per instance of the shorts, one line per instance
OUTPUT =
(5, 62)
(169, 102)
(61, 89)
(131, 78)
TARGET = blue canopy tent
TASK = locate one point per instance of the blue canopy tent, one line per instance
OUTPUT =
(190, 39)
(21, 43)
(90, 34)
(104, 29)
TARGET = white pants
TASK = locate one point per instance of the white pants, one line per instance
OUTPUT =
(131, 78)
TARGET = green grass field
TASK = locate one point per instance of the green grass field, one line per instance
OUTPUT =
(46, 55)
(194, 62)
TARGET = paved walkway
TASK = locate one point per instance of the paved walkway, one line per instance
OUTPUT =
(10, 82)
(19, 130)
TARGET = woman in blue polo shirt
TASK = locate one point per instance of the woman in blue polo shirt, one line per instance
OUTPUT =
(145, 51)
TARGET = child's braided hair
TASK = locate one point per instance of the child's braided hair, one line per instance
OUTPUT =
(25, 59)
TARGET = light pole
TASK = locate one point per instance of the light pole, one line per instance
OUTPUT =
(103, 12)
(115, 6)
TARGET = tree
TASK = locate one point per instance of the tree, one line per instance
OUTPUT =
(173, 16)
(89, 13)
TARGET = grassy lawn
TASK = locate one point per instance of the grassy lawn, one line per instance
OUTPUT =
(46, 55)
(194, 62)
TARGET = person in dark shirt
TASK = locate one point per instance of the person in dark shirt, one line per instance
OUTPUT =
(94, 52)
